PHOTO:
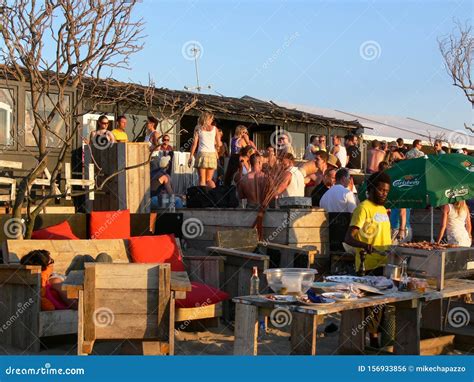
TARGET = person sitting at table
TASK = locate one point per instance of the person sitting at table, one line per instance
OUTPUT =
(252, 185)
(456, 222)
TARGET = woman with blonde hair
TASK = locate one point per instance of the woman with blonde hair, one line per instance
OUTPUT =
(456, 221)
(206, 141)
(239, 141)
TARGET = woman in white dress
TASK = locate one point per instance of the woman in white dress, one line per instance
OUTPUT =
(456, 221)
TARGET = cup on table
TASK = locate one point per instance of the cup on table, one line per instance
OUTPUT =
(243, 203)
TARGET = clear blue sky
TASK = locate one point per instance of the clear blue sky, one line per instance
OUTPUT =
(310, 52)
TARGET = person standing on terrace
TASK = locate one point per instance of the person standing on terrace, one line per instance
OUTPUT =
(239, 141)
(119, 132)
(339, 150)
(101, 132)
(206, 141)
(153, 136)
(252, 185)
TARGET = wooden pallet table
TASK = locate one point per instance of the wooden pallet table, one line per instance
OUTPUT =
(304, 320)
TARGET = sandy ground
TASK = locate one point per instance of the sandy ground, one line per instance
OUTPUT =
(214, 341)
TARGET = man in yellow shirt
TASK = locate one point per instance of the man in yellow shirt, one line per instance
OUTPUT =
(370, 230)
(119, 132)
(370, 225)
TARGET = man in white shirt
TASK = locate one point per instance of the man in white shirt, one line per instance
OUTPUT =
(339, 198)
(339, 150)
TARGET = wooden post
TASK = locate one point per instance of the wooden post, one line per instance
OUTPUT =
(246, 329)
(407, 323)
(352, 332)
(303, 334)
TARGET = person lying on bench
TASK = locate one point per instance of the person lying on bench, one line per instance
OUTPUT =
(52, 297)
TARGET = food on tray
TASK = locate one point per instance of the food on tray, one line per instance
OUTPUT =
(427, 246)
(378, 282)
(280, 298)
(341, 296)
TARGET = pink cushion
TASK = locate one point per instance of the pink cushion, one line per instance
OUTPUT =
(156, 249)
(110, 224)
(61, 231)
(202, 295)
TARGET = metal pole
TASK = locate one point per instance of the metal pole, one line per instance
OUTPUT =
(432, 239)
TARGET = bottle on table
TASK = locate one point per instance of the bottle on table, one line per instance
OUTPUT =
(172, 203)
(403, 285)
(254, 282)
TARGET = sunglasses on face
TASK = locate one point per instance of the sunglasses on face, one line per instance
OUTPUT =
(104, 123)
(166, 140)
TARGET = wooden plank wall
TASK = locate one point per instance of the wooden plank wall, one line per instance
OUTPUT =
(127, 190)
(138, 179)
(299, 227)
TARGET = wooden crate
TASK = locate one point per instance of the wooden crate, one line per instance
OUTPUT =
(128, 190)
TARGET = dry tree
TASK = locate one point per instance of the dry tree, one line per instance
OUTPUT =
(55, 47)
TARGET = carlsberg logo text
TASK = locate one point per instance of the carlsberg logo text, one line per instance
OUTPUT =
(401, 183)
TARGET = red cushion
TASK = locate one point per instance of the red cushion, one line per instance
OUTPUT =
(202, 295)
(61, 231)
(110, 224)
(156, 249)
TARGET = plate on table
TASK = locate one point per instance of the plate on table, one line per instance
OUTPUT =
(320, 300)
(339, 296)
(280, 298)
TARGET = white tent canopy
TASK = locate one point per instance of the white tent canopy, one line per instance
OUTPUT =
(391, 127)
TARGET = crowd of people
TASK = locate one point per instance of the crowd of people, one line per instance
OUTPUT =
(325, 175)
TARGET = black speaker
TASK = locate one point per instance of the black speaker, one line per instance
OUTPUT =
(198, 197)
(169, 223)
